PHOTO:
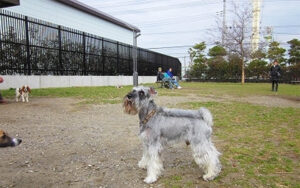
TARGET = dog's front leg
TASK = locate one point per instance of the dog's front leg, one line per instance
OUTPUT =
(155, 165)
(22, 96)
(27, 98)
(145, 159)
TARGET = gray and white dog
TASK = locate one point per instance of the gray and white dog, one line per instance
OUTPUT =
(160, 125)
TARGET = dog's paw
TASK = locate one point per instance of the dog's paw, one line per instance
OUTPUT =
(208, 177)
(150, 179)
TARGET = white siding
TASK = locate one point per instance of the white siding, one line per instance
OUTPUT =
(15, 81)
(58, 13)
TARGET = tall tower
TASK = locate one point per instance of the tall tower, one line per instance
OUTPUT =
(224, 22)
(255, 24)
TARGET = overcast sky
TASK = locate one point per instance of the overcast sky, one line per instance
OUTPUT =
(167, 23)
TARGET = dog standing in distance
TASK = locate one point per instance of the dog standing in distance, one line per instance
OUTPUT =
(6, 141)
(23, 93)
(160, 125)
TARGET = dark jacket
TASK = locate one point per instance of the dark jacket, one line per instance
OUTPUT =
(275, 72)
(160, 76)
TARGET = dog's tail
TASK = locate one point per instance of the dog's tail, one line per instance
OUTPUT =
(206, 115)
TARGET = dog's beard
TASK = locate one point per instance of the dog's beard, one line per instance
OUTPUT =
(129, 107)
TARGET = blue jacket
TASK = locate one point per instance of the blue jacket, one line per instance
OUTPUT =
(170, 74)
(166, 75)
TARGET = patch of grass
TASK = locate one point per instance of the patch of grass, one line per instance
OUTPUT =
(233, 89)
(259, 144)
(174, 181)
(90, 95)
(110, 94)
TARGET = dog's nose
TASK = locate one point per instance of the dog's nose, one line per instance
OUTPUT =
(20, 141)
(129, 96)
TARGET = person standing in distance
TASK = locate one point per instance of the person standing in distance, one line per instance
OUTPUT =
(275, 73)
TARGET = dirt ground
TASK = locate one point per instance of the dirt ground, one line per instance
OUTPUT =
(67, 144)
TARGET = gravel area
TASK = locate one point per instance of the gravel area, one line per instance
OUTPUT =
(67, 144)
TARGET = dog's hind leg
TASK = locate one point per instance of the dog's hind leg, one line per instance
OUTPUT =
(207, 157)
(155, 165)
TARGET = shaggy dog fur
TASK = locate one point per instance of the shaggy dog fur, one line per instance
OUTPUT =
(160, 125)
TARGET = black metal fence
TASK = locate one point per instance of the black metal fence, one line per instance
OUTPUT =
(33, 47)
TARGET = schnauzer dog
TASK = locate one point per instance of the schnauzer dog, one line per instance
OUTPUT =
(160, 125)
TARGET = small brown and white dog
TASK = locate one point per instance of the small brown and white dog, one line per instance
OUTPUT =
(6, 141)
(23, 93)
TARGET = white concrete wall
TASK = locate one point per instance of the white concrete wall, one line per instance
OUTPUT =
(58, 13)
(14, 81)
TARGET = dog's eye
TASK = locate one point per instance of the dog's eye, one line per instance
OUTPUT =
(3, 136)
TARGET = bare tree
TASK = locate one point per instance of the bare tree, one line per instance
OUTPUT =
(237, 35)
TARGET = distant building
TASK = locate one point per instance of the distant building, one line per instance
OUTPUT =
(9, 3)
(76, 15)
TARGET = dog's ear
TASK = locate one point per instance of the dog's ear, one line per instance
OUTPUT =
(2, 134)
(28, 88)
(23, 88)
(152, 91)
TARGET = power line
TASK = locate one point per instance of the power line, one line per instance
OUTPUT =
(183, 46)
(287, 26)
(176, 19)
(208, 44)
(286, 33)
(162, 7)
(177, 32)
(192, 31)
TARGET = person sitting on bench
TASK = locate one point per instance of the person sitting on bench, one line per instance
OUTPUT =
(171, 81)
(160, 75)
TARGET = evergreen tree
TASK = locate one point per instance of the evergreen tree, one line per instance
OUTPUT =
(294, 51)
(198, 67)
(275, 52)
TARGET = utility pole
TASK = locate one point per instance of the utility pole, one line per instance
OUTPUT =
(255, 24)
(224, 22)
(184, 65)
(134, 58)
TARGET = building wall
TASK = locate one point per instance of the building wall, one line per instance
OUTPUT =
(61, 14)
(16, 81)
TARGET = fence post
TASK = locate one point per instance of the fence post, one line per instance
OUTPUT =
(129, 60)
(84, 55)
(118, 59)
(59, 66)
(27, 47)
(134, 58)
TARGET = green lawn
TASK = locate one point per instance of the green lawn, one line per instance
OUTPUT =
(114, 95)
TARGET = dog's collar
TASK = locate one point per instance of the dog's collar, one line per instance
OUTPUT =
(149, 116)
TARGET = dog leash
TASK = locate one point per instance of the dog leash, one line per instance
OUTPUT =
(147, 118)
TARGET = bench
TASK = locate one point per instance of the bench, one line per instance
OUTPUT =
(162, 84)
(295, 82)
